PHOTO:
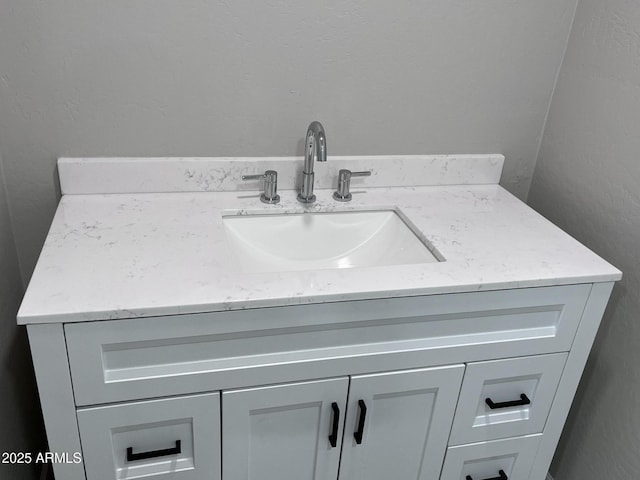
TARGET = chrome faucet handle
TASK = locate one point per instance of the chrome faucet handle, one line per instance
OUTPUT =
(270, 179)
(344, 182)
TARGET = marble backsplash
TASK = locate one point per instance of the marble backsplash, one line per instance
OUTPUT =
(223, 174)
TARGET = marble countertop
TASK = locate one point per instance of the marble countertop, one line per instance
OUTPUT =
(111, 256)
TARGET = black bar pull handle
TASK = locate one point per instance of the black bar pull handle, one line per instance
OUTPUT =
(132, 457)
(333, 438)
(363, 415)
(524, 400)
(503, 476)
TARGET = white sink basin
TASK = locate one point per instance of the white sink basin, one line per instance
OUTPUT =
(313, 241)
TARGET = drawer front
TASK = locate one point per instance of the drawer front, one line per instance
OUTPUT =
(506, 398)
(176, 438)
(148, 357)
(511, 458)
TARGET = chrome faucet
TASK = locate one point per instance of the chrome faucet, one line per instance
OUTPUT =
(315, 146)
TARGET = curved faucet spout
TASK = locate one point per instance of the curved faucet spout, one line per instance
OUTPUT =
(315, 147)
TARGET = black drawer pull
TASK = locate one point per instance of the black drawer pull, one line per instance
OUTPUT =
(132, 457)
(363, 415)
(333, 438)
(524, 400)
(503, 476)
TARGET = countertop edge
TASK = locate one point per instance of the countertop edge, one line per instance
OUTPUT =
(124, 314)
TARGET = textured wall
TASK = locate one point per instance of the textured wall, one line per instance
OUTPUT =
(245, 77)
(587, 180)
(20, 422)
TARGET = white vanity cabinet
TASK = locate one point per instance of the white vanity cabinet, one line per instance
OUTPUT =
(421, 388)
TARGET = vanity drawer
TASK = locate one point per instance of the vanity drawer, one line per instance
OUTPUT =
(511, 458)
(168, 439)
(140, 358)
(506, 398)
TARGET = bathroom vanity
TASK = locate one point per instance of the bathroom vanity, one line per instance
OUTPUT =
(171, 343)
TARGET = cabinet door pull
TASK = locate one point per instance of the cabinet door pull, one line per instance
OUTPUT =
(132, 457)
(333, 438)
(363, 415)
(503, 476)
(524, 400)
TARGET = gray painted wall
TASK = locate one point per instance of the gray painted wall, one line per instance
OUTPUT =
(188, 77)
(587, 180)
(20, 419)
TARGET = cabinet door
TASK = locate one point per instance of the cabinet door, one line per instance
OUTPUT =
(403, 433)
(283, 431)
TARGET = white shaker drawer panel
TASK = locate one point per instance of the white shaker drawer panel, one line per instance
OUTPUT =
(122, 360)
(506, 398)
(508, 459)
(167, 439)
